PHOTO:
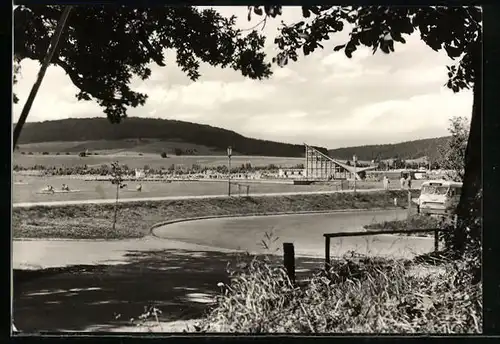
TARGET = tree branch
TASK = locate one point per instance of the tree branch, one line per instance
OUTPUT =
(31, 98)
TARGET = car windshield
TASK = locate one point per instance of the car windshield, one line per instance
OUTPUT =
(434, 190)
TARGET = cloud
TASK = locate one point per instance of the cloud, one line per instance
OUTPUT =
(421, 75)
(287, 74)
(404, 116)
(206, 94)
(416, 117)
(338, 59)
(324, 99)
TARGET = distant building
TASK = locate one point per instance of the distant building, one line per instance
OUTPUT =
(139, 174)
(291, 173)
(254, 175)
(319, 166)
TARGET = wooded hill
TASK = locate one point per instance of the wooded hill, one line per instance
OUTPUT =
(145, 131)
(149, 135)
(404, 150)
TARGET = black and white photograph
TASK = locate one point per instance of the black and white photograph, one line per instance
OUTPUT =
(246, 169)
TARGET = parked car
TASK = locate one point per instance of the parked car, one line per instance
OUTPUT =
(438, 197)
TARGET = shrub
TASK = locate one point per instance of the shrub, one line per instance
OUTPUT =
(359, 295)
(178, 151)
(45, 153)
(58, 153)
(23, 153)
(67, 153)
(82, 154)
(30, 153)
(164, 155)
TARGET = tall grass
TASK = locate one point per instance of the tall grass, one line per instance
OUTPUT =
(415, 221)
(358, 295)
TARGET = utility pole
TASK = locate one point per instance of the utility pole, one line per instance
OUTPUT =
(354, 161)
(229, 153)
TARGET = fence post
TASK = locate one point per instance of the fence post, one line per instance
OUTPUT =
(289, 260)
(436, 240)
(248, 190)
(327, 253)
(409, 203)
(239, 190)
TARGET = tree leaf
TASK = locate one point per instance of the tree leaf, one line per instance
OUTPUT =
(306, 49)
(385, 48)
(315, 10)
(339, 47)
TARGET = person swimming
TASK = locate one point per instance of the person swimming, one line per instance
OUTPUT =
(48, 188)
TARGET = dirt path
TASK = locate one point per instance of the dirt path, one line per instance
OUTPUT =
(100, 286)
(35, 254)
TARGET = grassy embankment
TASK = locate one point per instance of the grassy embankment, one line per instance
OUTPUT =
(92, 221)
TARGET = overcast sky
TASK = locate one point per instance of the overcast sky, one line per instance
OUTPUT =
(323, 99)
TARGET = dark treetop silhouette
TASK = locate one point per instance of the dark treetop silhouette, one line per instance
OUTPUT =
(102, 47)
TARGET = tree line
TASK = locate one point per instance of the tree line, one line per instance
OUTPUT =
(106, 169)
(405, 150)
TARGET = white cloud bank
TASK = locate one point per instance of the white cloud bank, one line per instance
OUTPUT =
(324, 99)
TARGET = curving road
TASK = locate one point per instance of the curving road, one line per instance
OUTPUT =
(304, 230)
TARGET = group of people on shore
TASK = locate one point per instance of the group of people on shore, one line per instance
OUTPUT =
(403, 181)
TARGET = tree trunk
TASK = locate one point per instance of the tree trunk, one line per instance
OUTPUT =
(34, 90)
(468, 229)
(116, 206)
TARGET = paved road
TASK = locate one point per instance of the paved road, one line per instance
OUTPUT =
(171, 198)
(304, 230)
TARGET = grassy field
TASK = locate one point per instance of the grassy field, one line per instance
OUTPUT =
(116, 147)
(136, 218)
(134, 160)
